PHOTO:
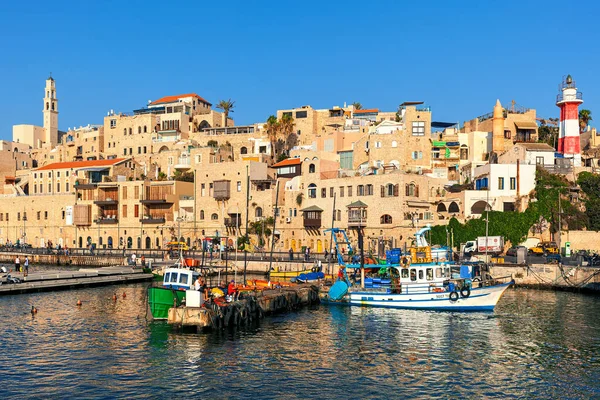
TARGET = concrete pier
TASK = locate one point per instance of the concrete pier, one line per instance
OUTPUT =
(62, 280)
(250, 307)
(551, 276)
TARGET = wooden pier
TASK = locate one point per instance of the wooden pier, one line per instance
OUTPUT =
(64, 280)
(250, 307)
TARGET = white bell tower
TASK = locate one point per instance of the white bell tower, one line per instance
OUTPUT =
(50, 113)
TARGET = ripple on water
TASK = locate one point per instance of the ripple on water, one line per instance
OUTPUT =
(536, 344)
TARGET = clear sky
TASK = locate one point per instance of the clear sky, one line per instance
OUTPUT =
(457, 56)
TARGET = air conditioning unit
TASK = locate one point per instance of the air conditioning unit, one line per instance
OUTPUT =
(288, 219)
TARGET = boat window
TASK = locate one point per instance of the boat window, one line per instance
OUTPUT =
(446, 273)
(183, 278)
(413, 274)
(173, 277)
(421, 274)
(438, 272)
(429, 274)
(405, 272)
(167, 276)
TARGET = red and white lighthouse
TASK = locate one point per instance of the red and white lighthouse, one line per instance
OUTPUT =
(569, 100)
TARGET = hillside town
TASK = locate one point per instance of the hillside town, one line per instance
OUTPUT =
(179, 167)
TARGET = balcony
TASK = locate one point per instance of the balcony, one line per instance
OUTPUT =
(356, 222)
(153, 220)
(312, 223)
(569, 97)
(106, 201)
(233, 222)
(107, 220)
(221, 190)
(183, 163)
(155, 201)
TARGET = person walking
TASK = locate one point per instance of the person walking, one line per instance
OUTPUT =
(143, 261)
(17, 264)
(26, 265)
(291, 254)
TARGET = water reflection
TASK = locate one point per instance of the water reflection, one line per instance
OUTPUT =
(537, 344)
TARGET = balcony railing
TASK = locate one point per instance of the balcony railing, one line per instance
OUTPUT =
(357, 221)
(106, 200)
(107, 220)
(233, 222)
(153, 220)
(569, 97)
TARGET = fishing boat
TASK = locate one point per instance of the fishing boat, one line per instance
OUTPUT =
(276, 273)
(417, 282)
(176, 281)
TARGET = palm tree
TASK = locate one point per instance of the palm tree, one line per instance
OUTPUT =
(272, 128)
(585, 116)
(357, 105)
(286, 129)
(227, 107)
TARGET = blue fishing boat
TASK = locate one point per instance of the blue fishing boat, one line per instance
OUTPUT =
(422, 279)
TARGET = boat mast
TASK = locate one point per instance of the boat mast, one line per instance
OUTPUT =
(331, 240)
(275, 215)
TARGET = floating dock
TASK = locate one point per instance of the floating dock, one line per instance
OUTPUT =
(63, 280)
(250, 307)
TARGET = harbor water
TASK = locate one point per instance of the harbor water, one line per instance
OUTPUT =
(537, 344)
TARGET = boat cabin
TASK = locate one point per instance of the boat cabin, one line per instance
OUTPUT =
(179, 278)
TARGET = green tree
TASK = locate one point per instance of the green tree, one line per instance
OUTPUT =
(585, 116)
(286, 127)
(226, 106)
(183, 176)
(357, 105)
(548, 132)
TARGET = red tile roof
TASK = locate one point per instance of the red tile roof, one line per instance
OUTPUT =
(288, 161)
(81, 164)
(172, 99)
(369, 110)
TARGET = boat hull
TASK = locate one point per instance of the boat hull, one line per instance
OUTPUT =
(288, 274)
(480, 299)
(161, 299)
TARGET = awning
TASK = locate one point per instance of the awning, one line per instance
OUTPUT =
(93, 169)
(420, 204)
(452, 144)
(438, 143)
(312, 208)
(357, 204)
(526, 125)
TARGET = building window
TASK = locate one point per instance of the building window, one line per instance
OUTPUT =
(369, 191)
(239, 186)
(45, 214)
(130, 131)
(385, 219)
(331, 192)
(500, 183)
(145, 129)
(394, 143)
(145, 149)
(199, 159)
(58, 187)
(349, 191)
(507, 134)
(323, 193)
(136, 210)
(418, 128)
(360, 190)
(170, 160)
(203, 189)
(136, 192)
(312, 191)
(139, 150)
(311, 169)
(244, 150)
(201, 214)
(377, 145)
(412, 190)
(139, 129)
(113, 123)
(124, 131)
(39, 215)
(301, 114)
(341, 191)
(124, 192)
(18, 216)
(67, 187)
(124, 211)
(50, 188)
(124, 152)
(287, 114)
(513, 183)
(214, 217)
(339, 215)
(539, 160)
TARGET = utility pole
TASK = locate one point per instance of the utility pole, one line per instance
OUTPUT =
(247, 208)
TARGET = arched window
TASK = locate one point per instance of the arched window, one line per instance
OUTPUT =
(258, 212)
(129, 242)
(157, 243)
(52, 106)
(145, 129)
(110, 242)
(244, 150)
(148, 242)
(412, 190)
(311, 169)
(124, 131)
(130, 131)
(214, 217)
(464, 152)
(47, 106)
(139, 129)
(385, 219)
(441, 207)
(201, 214)
(453, 208)
(312, 191)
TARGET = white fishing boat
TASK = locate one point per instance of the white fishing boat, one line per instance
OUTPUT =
(419, 282)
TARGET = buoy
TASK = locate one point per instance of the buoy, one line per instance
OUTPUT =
(78, 302)
(124, 294)
(33, 310)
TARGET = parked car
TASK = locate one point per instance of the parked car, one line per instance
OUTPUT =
(544, 248)
(513, 250)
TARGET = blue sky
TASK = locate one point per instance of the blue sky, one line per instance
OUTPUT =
(458, 57)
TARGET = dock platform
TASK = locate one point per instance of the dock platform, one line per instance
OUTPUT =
(249, 307)
(64, 280)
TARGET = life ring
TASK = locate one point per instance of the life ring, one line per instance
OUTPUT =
(465, 292)
(314, 269)
(453, 296)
